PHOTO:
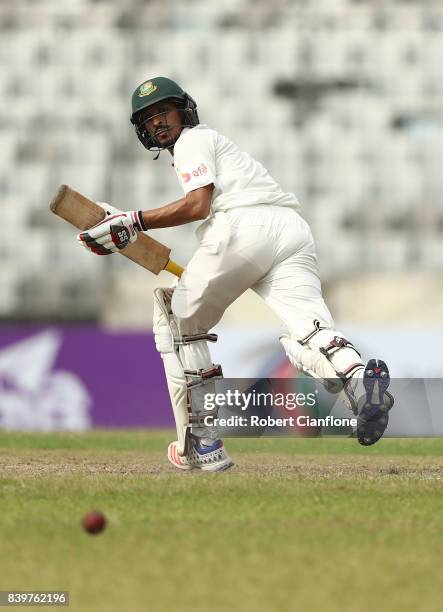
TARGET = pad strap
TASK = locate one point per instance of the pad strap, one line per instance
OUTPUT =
(317, 328)
(196, 381)
(181, 340)
(200, 376)
(349, 372)
(335, 345)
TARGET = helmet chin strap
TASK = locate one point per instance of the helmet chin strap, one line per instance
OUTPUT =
(167, 147)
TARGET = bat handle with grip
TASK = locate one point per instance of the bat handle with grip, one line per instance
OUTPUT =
(174, 268)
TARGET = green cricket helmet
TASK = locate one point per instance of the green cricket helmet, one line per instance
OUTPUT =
(153, 91)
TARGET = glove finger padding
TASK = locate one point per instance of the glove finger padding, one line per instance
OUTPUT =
(95, 247)
(114, 233)
(93, 244)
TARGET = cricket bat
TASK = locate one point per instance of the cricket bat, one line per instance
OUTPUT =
(84, 213)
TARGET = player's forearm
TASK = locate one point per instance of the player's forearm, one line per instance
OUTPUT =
(175, 213)
(194, 207)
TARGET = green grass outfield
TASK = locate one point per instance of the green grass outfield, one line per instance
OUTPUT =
(298, 524)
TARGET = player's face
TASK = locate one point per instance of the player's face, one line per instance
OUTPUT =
(164, 121)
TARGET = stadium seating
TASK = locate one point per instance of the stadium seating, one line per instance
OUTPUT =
(340, 100)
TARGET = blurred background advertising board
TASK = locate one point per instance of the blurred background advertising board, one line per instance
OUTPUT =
(75, 378)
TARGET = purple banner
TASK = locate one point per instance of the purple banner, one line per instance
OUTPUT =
(76, 378)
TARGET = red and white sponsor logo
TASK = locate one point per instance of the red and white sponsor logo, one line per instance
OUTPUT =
(202, 169)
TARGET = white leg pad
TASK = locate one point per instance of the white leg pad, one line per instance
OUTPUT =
(310, 361)
(189, 370)
(165, 329)
(322, 356)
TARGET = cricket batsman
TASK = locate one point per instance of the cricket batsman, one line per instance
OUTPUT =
(251, 237)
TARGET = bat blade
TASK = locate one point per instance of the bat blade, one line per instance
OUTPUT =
(73, 207)
(83, 213)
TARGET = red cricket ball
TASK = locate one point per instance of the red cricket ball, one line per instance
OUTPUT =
(94, 522)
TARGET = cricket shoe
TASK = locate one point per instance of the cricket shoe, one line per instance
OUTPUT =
(374, 406)
(212, 458)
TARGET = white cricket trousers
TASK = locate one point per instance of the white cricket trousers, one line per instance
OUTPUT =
(269, 249)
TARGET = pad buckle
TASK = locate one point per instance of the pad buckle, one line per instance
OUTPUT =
(181, 340)
(202, 375)
(335, 345)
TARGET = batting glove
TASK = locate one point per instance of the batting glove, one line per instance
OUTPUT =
(114, 233)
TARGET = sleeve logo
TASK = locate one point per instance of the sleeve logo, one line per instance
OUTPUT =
(202, 169)
(187, 176)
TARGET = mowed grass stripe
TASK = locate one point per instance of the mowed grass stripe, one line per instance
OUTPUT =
(155, 440)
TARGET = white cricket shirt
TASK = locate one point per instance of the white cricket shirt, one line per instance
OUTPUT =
(203, 156)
